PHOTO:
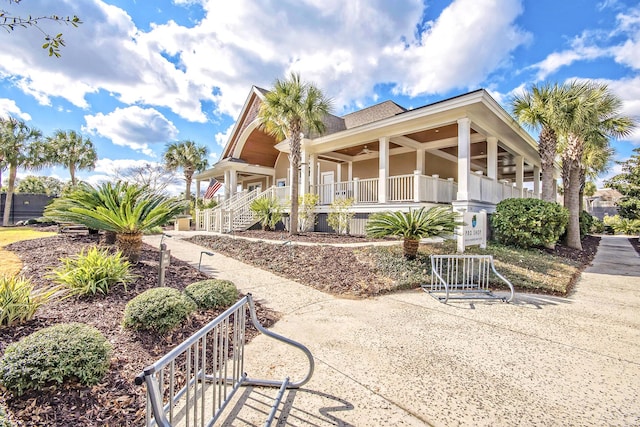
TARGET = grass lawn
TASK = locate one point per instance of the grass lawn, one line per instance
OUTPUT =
(10, 264)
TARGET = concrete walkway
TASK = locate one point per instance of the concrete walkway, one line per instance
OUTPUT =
(406, 359)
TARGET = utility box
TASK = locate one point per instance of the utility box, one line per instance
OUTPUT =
(182, 224)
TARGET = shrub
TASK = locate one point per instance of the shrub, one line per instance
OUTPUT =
(307, 211)
(597, 226)
(268, 212)
(97, 271)
(55, 354)
(586, 222)
(529, 222)
(212, 293)
(4, 421)
(621, 225)
(19, 300)
(158, 309)
(340, 215)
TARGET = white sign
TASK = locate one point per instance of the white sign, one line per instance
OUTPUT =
(474, 231)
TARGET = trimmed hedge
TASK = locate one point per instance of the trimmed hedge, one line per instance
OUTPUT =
(54, 355)
(212, 293)
(158, 309)
(529, 222)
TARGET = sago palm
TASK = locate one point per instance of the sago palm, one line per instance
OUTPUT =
(413, 226)
(289, 109)
(125, 209)
(268, 212)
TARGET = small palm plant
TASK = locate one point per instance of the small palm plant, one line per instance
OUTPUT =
(413, 226)
(268, 212)
(125, 209)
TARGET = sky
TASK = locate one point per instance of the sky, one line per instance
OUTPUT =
(139, 74)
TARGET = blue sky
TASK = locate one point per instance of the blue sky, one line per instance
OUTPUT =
(140, 74)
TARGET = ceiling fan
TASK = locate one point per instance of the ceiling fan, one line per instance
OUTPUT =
(365, 150)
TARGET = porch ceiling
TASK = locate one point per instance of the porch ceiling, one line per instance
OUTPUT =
(260, 149)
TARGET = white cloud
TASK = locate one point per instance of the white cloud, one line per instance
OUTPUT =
(132, 127)
(8, 107)
(222, 138)
(344, 48)
(452, 53)
(591, 45)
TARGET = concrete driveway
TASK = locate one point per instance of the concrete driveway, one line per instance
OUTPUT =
(406, 359)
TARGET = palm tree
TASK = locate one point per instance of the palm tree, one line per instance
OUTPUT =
(125, 209)
(538, 109)
(18, 148)
(73, 151)
(413, 226)
(291, 108)
(189, 157)
(592, 116)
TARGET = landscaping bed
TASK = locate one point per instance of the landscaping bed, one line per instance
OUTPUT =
(367, 271)
(115, 401)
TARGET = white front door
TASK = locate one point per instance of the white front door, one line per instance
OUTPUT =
(326, 188)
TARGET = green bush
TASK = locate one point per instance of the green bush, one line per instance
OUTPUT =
(158, 309)
(4, 421)
(53, 355)
(212, 293)
(340, 214)
(19, 300)
(597, 226)
(586, 222)
(621, 225)
(529, 222)
(94, 272)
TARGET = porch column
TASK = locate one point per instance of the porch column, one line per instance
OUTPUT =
(233, 175)
(227, 185)
(464, 158)
(383, 162)
(197, 191)
(492, 157)
(304, 173)
(420, 161)
(536, 181)
(313, 172)
(350, 171)
(519, 173)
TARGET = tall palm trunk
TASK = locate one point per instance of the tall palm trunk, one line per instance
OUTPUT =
(294, 159)
(130, 245)
(188, 176)
(13, 170)
(547, 148)
(572, 158)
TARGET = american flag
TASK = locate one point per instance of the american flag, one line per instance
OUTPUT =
(214, 186)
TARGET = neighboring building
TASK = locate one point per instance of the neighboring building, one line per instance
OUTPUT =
(466, 151)
(603, 203)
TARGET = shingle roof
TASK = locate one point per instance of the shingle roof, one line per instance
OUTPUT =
(372, 114)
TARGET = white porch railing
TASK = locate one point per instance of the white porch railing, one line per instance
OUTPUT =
(489, 190)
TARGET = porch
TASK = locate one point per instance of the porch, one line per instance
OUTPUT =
(400, 192)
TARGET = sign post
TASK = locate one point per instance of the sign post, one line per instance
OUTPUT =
(165, 259)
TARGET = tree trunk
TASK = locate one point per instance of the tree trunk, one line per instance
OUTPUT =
(109, 237)
(72, 172)
(583, 181)
(188, 175)
(547, 148)
(573, 193)
(410, 248)
(130, 245)
(13, 170)
(294, 160)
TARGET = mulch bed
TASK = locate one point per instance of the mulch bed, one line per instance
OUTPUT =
(115, 401)
(336, 270)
